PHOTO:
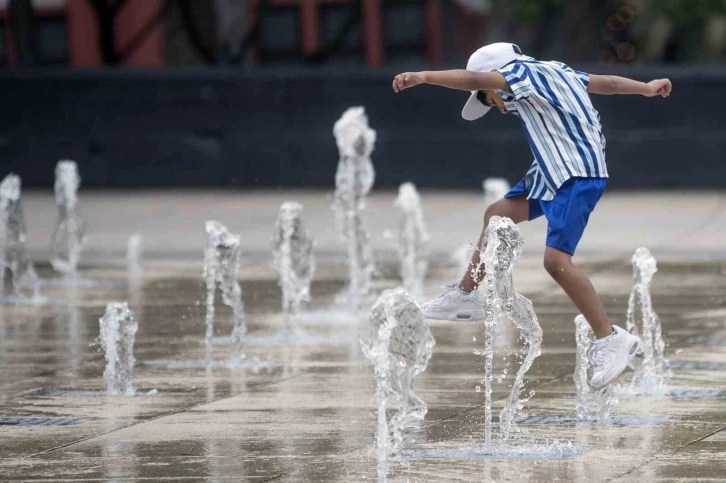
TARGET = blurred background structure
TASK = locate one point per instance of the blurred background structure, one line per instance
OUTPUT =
(268, 33)
(245, 92)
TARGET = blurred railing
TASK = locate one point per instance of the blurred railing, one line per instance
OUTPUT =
(311, 11)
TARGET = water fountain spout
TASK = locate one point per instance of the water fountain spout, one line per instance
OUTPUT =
(13, 244)
(399, 349)
(592, 405)
(69, 235)
(653, 372)
(353, 181)
(118, 331)
(294, 261)
(134, 254)
(221, 264)
(413, 239)
(503, 245)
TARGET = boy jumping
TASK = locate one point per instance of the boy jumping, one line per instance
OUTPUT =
(564, 183)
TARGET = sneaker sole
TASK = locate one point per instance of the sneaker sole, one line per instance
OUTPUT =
(458, 317)
(632, 351)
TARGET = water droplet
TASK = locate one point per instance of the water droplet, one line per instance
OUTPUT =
(474, 338)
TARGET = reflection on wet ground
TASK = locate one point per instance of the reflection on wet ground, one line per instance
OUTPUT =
(308, 415)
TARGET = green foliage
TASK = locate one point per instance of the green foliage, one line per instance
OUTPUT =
(685, 11)
(528, 9)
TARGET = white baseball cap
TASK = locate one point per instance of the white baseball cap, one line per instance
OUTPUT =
(488, 58)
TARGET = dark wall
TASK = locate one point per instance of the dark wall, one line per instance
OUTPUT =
(265, 129)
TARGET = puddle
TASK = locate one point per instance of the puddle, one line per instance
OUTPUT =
(284, 338)
(701, 340)
(699, 365)
(552, 451)
(80, 282)
(33, 421)
(612, 420)
(696, 393)
(84, 393)
(247, 364)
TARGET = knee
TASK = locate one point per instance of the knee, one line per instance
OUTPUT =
(495, 209)
(555, 263)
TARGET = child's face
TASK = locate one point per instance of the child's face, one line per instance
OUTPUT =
(493, 100)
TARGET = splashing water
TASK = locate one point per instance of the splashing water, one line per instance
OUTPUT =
(13, 247)
(502, 247)
(652, 374)
(221, 264)
(461, 257)
(118, 331)
(134, 253)
(353, 180)
(495, 189)
(399, 350)
(592, 405)
(69, 235)
(294, 261)
(413, 239)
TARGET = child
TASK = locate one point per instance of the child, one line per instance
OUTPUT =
(564, 183)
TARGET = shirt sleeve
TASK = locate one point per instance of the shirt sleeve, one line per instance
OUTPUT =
(517, 76)
(583, 77)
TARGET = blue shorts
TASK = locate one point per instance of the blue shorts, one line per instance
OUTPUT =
(567, 214)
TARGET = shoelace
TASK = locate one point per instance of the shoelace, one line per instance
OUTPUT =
(598, 353)
(448, 289)
(443, 294)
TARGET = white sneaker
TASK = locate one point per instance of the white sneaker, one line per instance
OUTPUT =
(611, 355)
(455, 304)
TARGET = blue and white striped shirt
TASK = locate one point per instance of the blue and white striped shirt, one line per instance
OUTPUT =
(562, 126)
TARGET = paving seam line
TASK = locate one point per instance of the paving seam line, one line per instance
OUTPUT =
(466, 411)
(661, 456)
(551, 381)
(184, 409)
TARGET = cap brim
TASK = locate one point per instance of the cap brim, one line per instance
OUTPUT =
(474, 109)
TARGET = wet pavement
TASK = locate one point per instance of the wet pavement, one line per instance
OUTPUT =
(309, 416)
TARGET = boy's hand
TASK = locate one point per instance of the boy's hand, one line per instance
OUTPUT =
(659, 87)
(406, 80)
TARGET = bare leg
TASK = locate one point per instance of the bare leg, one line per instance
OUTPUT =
(579, 288)
(517, 209)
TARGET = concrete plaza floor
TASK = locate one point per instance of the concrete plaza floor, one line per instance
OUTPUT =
(310, 416)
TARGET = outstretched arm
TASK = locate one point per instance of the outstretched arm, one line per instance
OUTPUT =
(462, 80)
(611, 84)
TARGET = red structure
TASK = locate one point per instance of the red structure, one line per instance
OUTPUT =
(83, 46)
(82, 32)
(374, 39)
